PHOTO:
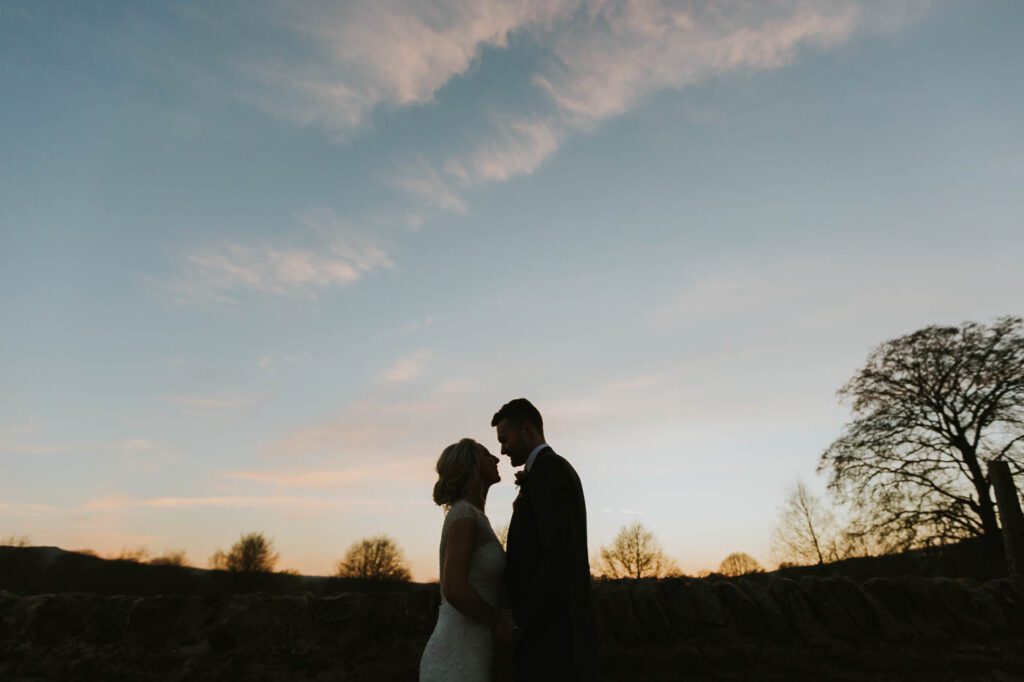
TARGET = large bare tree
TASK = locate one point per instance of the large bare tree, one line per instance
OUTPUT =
(635, 553)
(376, 558)
(929, 410)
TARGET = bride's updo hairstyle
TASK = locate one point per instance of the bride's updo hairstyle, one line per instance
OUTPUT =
(456, 467)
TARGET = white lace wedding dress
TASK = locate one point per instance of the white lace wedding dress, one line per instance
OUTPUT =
(460, 649)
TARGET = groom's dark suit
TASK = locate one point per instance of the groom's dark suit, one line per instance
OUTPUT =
(548, 573)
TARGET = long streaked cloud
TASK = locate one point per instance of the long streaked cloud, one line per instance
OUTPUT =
(600, 59)
(226, 501)
(405, 329)
(136, 446)
(24, 439)
(877, 286)
(212, 405)
(612, 56)
(624, 51)
(411, 469)
(333, 253)
(20, 508)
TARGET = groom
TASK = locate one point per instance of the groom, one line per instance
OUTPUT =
(547, 572)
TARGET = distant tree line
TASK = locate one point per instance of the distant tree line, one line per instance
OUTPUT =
(375, 558)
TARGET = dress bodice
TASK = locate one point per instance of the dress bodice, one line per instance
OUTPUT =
(487, 565)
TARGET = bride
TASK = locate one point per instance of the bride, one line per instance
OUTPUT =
(472, 616)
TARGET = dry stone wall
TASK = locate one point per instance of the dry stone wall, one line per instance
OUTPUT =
(758, 628)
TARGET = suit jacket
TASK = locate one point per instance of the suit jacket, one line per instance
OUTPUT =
(548, 573)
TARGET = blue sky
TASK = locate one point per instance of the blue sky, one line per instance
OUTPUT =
(263, 261)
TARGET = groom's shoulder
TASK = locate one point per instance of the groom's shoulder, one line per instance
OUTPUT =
(553, 461)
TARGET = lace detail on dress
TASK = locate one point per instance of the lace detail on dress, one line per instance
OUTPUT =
(464, 510)
(460, 649)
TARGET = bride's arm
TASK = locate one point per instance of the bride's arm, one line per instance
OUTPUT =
(455, 575)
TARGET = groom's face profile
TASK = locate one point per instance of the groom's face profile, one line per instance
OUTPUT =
(513, 443)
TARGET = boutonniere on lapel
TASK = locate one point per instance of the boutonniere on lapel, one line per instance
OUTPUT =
(521, 478)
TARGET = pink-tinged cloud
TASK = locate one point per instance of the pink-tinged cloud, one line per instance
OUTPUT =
(382, 428)
(212, 405)
(603, 59)
(408, 368)
(412, 470)
(26, 439)
(332, 254)
(368, 54)
(287, 502)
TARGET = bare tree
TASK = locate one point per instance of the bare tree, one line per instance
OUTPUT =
(15, 541)
(133, 554)
(376, 558)
(253, 553)
(929, 409)
(738, 563)
(502, 534)
(635, 553)
(172, 558)
(806, 531)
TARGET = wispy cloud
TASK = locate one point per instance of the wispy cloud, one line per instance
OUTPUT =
(408, 368)
(405, 329)
(334, 254)
(868, 285)
(22, 508)
(627, 512)
(368, 54)
(384, 429)
(24, 439)
(457, 388)
(419, 179)
(418, 469)
(226, 501)
(623, 51)
(136, 446)
(212, 405)
(609, 57)
(516, 147)
(287, 359)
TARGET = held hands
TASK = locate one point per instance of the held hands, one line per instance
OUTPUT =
(506, 636)
(506, 632)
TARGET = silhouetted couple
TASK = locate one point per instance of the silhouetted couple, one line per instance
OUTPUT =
(523, 613)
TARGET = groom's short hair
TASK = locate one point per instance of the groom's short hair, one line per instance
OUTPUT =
(518, 411)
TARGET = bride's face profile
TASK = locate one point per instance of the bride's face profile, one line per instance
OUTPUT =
(487, 465)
